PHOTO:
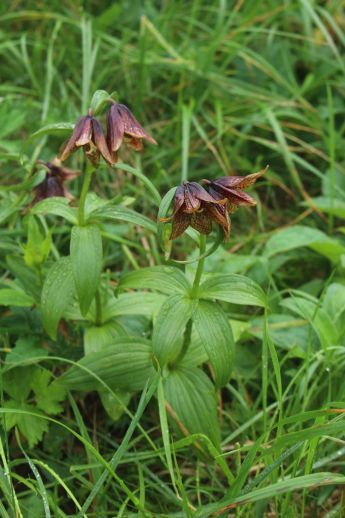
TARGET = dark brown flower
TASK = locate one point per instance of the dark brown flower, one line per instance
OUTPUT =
(88, 134)
(53, 184)
(231, 188)
(123, 126)
(195, 207)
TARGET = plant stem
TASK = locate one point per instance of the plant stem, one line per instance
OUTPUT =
(200, 267)
(84, 190)
(193, 295)
(98, 302)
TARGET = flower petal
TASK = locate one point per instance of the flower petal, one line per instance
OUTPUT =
(219, 215)
(100, 142)
(200, 193)
(181, 222)
(240, 182)
(201, 222)
(115, 128)
(234, 196)
(85, 135)
(70, 146)
(178, 199)
(191, 202)
(132, 126)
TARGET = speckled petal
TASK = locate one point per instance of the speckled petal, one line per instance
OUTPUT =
(201, 222)
(219, 215)
(181, 221)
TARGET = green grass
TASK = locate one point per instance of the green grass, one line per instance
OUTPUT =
(224, 87)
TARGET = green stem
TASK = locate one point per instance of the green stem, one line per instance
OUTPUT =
(200, 267)
(84, 190)
(98, 302)
(193, 294)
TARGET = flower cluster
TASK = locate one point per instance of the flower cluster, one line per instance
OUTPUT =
(88, 134)
(199, 207)
(53, 183)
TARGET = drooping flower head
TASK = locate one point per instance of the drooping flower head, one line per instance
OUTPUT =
(122, 126)
(231, 189)
(88, 134)
(195, 207)
(53, 184)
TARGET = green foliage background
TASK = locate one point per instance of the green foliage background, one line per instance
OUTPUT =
(224, 87)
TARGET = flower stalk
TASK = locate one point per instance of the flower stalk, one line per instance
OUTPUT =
(200, 267)
(84, 190)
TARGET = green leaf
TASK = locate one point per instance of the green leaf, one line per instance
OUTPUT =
(37, 247)
(16, 382)
(330, 206)
(58, 206)
(134, 303)
(31, 426)
(27, 277)
(114, 405)
(57, 293)
(169, 327)
(271, 492)
(300, 236)
(334, 301)
(59, 128)
(15, 297)
(216, 337)
(99, 98)
(119, 213)
(311, 311)
(166, 279)
(125, 364)
(86, 258)
(26, 348)
(48, 396)
(193, 401)
(233, 288)
(97, 337)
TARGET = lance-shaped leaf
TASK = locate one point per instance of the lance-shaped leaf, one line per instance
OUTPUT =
(119, 213)
(57, 293)
(233, 288)
(216, 337)
(57, 206)
(192, 402)
(86, 257)
(15, 297)
(166, 279)
(169, 328)
(125, 364)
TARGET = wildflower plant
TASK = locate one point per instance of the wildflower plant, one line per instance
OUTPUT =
(185, 353)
